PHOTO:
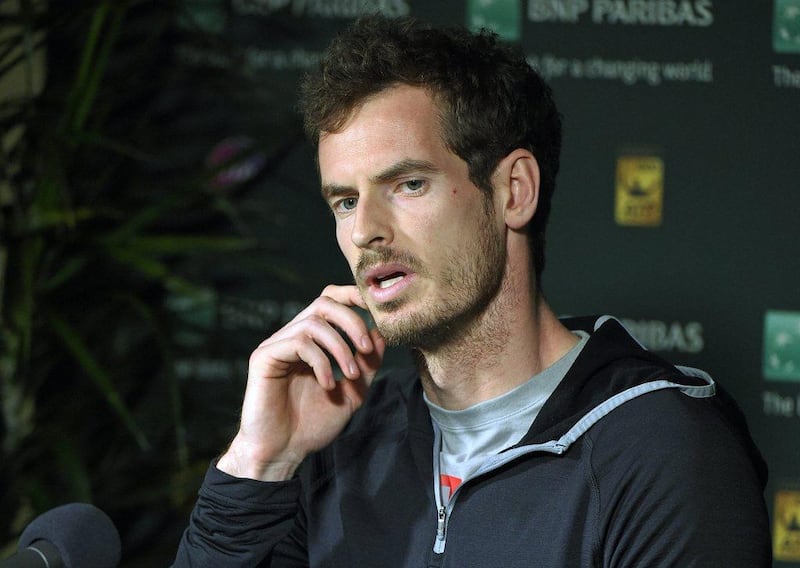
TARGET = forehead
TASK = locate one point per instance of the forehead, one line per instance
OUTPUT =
(401, 123)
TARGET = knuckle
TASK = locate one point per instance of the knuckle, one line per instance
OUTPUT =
(257, 355)
(315, 322)
(329, 290)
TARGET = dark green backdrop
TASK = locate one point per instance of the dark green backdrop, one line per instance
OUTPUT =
(676, 209)
(707, 91)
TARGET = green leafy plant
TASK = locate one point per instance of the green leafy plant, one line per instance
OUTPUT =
(94, 224)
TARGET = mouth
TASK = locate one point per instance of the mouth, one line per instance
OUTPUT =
(390, 280)
(386, 282)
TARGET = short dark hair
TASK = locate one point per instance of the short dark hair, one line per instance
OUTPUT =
(490, 100)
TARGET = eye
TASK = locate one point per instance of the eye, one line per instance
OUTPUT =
(345, 205)
(413, 185)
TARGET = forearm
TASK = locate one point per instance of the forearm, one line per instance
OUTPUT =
(237, 522)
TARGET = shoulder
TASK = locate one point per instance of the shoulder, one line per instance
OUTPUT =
(668, 424)
(669, 433)
(677, 478)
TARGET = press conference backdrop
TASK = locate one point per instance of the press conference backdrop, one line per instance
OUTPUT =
(676, 208)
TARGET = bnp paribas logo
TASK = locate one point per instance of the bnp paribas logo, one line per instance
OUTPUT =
(786, 26)
(639, 190)
(501, 16)
(782, 346)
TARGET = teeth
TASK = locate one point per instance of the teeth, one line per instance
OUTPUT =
(389, 282)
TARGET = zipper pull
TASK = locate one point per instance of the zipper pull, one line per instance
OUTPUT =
(440, 524)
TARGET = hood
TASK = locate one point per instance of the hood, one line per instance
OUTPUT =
(614, 368)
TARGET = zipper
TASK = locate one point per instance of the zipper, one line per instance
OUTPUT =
(443, 511)
(557, 447)
(441, 527)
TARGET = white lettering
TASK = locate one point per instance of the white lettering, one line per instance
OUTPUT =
(556, 10)
(653, 12)
(698, 71)
(258, 315)
(660, 336)
(705, 15)
(785, 77)
(198, 56)
(278, 60)
(259, 7)
(204, 369)
(629, 72)
(694, 336)
(777, 405)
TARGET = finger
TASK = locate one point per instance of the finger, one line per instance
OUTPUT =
(370, 363)
(349, 322)
(278, 360)
(313, 356)
(331, 341)
(348, 295)
(317, 330)
(354, 392)
(337, 314)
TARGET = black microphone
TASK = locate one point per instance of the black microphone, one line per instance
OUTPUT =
(77, 535)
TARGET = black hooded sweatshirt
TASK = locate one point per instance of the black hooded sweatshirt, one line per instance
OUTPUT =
(631, 462)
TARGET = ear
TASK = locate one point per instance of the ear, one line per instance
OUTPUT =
(517, 175)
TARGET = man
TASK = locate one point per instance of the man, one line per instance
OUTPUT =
(519, 439)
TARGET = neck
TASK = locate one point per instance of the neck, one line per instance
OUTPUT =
(515, 338)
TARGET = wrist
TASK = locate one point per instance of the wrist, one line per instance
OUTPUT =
(242, 461)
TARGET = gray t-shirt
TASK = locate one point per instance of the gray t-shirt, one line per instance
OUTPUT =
(472, 435)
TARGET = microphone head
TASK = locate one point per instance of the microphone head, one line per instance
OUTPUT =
(83, 534)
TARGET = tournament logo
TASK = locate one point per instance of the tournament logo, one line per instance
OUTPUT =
(501, 16)
(786, 26)
(781, 360)
(639, 190)
(786, 526)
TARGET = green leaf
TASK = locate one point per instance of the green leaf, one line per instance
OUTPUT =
(98, 375)
(71, 267)
(72, 469)
(41, 218)
(138, 221)
(87, 97)
(81, 93)
(151, 268)
(147, 314)
(173, 244)
(103, 142)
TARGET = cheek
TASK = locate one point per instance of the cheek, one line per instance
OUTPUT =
(418, 228)
(346, 245)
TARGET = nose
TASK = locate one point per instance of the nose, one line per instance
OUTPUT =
(372, 226)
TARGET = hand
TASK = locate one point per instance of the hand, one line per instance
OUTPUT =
(293, 405)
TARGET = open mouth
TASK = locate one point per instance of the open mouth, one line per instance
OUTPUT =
(386, 282)
(389, 280)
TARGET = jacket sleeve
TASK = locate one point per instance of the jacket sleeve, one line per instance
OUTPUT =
(679, 485)
(243, 523)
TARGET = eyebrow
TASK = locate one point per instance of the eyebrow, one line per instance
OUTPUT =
(401, 168)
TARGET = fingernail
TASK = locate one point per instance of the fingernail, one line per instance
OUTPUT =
(365, 342)
(353, 369)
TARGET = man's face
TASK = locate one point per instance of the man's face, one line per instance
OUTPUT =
(425, 246)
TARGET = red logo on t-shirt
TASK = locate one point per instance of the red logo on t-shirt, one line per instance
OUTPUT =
(450, 482)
